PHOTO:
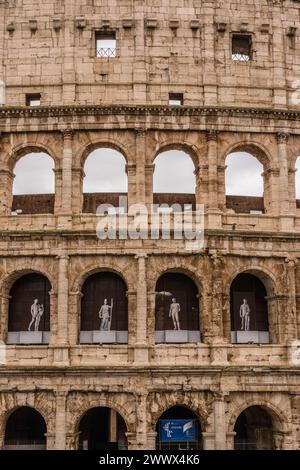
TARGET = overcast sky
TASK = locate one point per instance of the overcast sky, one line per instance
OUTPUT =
(174, 172)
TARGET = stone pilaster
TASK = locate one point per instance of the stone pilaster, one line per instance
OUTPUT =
(58, 191)
(140, 64)
(141, 411)
(279, 54)
(60, 421)
(141, 347)
(220, 422)
(132, 182)
(291, 308)
(74, 317)
(295, 409)
(66, 202)
(4, 306)
(77, 189)
(210, 89)
(217, 334)
(212, 157)
(132, 317)
(282, 139)
(69, 51)
(202, 185)
(6, 191)
(271, 195)
(60, 339)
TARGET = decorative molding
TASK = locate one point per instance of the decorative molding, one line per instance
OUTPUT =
(146, 110)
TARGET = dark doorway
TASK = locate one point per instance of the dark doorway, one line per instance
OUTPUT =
(178, 428)
(254, 430)
(102, 429)
(25, 430)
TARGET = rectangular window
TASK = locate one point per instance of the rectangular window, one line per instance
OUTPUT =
(106, 44)
(175, 99)
(33, 99)
(241, 48)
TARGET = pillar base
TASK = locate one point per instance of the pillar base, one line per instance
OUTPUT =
(219, 352)
(64, 221)
(141, 354)
(208, 440)
(213, 219)
(293, 352)
(287, 223)
(61, 357)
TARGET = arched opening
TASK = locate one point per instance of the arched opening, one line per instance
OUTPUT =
(34, 184)
(29, 310)
(176, 309)
(178, 428)
(105, 180)
(297, 182)
(102, 429)
(249, 310)
(254, 430)
(25, 430)
(174, 179)
(244, 183)
(104, 309)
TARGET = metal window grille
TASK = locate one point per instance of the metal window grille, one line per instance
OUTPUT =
(106, 44)
(241, 48)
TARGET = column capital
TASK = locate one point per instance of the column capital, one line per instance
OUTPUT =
(282, 137)
(7, 172)
(271, 171)
(211, 134)
(68, 133)
(130, 168)
(61, 393)
(291, 262)
(149, 167)
(141, 256)
(77, 293)
(140, 131)
(63, 256)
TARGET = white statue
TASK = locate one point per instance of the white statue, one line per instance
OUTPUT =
(174, 313)
(37, 311)
(245, 315)
(105, 315)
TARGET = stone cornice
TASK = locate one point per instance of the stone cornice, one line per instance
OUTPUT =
(147, 110)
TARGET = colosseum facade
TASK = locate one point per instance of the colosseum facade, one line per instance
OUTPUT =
(206, 78)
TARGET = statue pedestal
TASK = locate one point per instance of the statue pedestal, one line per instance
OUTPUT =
(28, 337)
(175, 336)
(245, 337)
(103, 337)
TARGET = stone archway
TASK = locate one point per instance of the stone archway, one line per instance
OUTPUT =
(25, 430)
(102, 428)
(179, 428)
(255, 429)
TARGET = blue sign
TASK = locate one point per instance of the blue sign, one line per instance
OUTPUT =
(178, 430)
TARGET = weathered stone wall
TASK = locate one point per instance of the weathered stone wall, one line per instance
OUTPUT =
(141, 380)
(162, 46)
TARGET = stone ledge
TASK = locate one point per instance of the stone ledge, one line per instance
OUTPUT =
(154, 110)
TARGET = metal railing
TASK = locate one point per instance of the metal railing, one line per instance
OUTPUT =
(106, 52)
(240, 57)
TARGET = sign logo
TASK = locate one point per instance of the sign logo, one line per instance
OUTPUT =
(178, 430)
